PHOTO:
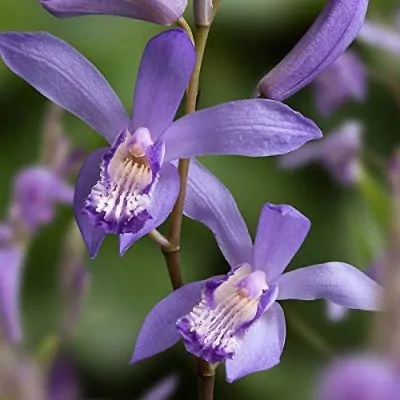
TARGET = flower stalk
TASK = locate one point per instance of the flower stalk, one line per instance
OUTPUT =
(171, 252)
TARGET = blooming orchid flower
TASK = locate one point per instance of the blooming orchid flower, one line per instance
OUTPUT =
(236, 318)
(345, 79)
(381, 36)
(130, 188)
(363, 376)
(163, 12)
(36, 191)
(330, 35)
(339, 152)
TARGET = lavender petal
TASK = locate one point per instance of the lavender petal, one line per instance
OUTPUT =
(210, 202)
(158, 332)
(335, 281)
(163, 12)
(246, 127)
(280, 233)
(164, 73)
(262, 345)
(66, 77)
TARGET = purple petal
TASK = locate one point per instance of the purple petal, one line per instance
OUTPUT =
(66, 77)
(335, 281)
(262, 346)
(380, 36)
(163, 12)
(335, 312)
(36, 191)
(330, 35)
(158, 332)
(162, 390)
(246, 127)
(363, 377)
(210, 202)
(88, 176)
(345, 79)
(166, 66)
(164, 197)
(280, 233)
(11, 263)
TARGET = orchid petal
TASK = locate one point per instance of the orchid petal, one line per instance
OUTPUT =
(164, 74)
(164, 197)
(280, 233)
(66, 77)
(246, 127)
(380, 36)
(163, 12)
(158, 332)
(330, 35)
(10, 281)
(262, 345)
(210, 202)
(88, 177)
(335, 281)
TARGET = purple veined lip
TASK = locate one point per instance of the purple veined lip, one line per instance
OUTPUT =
(119, 201)
(215, 328)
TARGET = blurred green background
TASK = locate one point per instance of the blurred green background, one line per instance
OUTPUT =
(248, 38)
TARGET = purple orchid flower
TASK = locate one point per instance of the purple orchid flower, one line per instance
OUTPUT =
(330, 35)
(36, 191)
(381, 36)
(345, 79)
(363, 377)
(163, 12)
(339, 153)
(235, 318)
(130, 188)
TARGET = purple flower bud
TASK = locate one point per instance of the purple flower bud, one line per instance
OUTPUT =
(11, 262)
(345, 79)
(339, 153)
(330, 35)
(163, 390)
(163, 12)
(361, 377)
(380, 36)
(203, 12)
(36, 191)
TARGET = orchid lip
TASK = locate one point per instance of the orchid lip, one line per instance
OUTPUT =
(120, 200)
(215, 328)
